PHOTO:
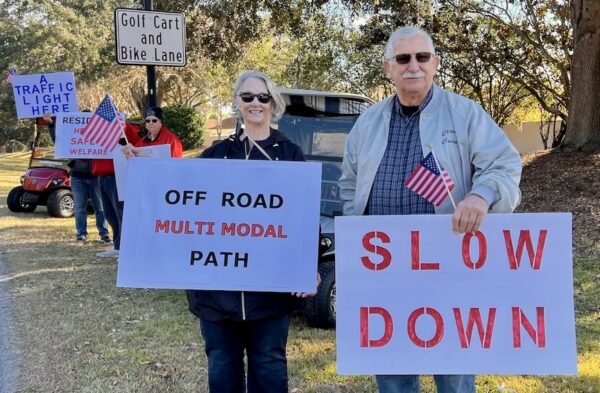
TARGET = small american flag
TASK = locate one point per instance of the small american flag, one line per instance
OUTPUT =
(105, 127)
(428, 180)
(11, 72)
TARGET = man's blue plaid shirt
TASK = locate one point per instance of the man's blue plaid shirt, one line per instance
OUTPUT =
(389, 195)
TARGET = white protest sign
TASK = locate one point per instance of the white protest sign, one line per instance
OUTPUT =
(69, 141)
(412, 298)
(150, 37)
(122, 164)
(221, 224)
(37, 94)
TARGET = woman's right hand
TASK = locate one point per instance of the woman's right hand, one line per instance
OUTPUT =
(128, 150)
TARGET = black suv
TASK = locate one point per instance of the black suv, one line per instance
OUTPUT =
(319, 122)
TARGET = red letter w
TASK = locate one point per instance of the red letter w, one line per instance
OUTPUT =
(485, 337)
(535, 258)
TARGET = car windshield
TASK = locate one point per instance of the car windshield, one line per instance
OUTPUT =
(44, 157)
(322, 138)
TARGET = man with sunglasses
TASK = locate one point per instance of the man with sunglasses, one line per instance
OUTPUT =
(390, 139)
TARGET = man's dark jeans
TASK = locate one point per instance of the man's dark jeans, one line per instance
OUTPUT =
(264, 340)
(82, 187)
(113, 208)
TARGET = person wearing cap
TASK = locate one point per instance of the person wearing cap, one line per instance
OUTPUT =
(158, 134)
(257, 323)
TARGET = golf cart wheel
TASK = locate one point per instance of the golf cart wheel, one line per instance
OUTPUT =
(60, 204)
(15, 203)
(319, 310)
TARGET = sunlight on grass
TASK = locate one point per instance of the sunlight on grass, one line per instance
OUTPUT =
(81, 333)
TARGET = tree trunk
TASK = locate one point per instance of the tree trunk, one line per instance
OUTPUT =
(583, 129)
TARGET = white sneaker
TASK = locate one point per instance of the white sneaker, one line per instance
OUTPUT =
(111, 253)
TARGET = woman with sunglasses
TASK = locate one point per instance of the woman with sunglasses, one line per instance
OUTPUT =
(158, 134)
(232, 322)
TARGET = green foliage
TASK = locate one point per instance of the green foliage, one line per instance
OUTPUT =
(186, 123)
(17, 132)
(12, 146)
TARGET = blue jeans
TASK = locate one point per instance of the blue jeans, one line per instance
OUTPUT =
(82, 188)
(113, 208)
(410, 383)
(263, 340)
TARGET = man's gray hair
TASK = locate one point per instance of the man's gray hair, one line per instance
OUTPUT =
(406, 32)
(278, 102)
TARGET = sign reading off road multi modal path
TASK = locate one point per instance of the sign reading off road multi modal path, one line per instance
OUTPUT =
(150, 37)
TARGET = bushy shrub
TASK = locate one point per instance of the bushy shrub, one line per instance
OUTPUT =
(13, 146)
(19, 132)
(44, 139)
(186, 123)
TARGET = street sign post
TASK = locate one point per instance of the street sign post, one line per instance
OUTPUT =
(150, 37)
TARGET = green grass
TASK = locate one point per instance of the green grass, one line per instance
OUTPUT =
(78, 332)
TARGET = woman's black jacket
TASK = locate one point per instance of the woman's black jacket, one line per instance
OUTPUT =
(221, 305)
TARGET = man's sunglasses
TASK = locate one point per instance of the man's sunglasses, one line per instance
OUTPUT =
(263, 98)
(404, 58)
(151, 120)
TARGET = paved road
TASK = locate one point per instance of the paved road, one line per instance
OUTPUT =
(8, 352)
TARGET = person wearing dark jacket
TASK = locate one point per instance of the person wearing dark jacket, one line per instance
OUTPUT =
(232, 322)
(83, 185)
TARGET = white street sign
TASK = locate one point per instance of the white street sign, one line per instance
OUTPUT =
(150, 37)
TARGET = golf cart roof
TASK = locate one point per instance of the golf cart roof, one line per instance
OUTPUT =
(325, 101)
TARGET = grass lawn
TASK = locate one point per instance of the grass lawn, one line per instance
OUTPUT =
(77, 332)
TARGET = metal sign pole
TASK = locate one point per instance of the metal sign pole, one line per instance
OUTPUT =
(151, 70)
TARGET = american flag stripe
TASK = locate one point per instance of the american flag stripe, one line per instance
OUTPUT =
(429, 181)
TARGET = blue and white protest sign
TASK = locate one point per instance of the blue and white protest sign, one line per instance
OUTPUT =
(413, 298)
(70, 143)
(36, 94)
(221, 225)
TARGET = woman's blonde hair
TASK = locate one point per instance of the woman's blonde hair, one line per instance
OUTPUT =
(277, 101)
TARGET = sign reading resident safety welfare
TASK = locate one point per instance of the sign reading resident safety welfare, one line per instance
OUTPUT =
(413, 298)
(221, 224)
(150, 37)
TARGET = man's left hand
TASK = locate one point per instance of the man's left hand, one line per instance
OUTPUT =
(469, 214)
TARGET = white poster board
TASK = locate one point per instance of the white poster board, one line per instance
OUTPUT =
(412, 298)
(36, 94)
(122, 164)
(69, 141)
(221, 224)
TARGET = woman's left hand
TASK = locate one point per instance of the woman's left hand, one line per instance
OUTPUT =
(309, 294)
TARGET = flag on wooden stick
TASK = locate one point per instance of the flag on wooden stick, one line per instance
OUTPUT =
(105, 126)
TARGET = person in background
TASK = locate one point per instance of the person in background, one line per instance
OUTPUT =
(113, 208)
(390, 139)
(51, 123)
(257, 323)
(158, 134)
(85, 185)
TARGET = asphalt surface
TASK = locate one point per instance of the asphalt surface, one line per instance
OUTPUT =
(8, 351)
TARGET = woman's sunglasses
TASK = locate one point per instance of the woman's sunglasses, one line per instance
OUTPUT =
(263, 98)
(404, 58)
(151, 121)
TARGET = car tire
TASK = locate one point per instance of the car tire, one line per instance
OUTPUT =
(319, 310)
(15, 203)
(60, 204)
